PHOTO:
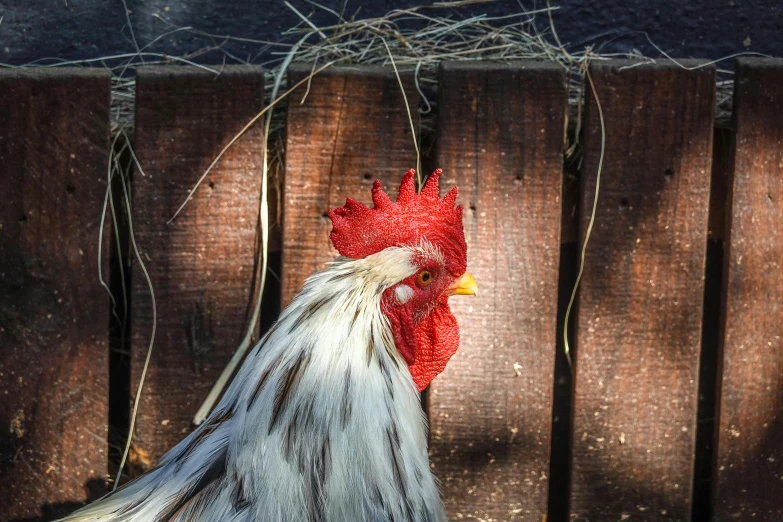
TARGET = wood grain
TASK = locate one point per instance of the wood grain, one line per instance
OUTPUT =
(640, 303)
(500, 139)
(201, 265)
(346, 129)
(749, 466)
(54, 314)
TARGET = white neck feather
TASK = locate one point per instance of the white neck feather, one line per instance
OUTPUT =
(339, 381)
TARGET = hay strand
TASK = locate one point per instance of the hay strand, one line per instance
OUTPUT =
(589, 230)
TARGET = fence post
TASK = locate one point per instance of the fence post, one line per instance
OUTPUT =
(749, 464)
(640, 304)
(202, 264)
(54, 314)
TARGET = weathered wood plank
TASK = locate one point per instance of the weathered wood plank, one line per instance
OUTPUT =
(202, 265)
(346, 129)
(500, 139)
(749, 465)
(640, 303)
(54, 314)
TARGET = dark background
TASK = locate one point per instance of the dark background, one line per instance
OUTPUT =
(82, 29)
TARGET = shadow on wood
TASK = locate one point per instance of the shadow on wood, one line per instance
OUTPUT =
(94, 489)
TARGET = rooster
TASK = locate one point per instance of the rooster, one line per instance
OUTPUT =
(323, 421)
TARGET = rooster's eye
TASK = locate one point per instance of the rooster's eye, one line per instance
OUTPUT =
(424, 278)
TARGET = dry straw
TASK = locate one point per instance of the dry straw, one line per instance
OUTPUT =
(413, 41)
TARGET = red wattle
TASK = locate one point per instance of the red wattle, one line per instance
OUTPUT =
(437, 339)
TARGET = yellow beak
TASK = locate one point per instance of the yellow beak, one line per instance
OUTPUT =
(465, 285)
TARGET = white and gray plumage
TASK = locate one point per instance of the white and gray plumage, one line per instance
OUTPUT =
(323, 420)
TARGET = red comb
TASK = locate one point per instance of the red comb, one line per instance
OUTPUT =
(359, 231)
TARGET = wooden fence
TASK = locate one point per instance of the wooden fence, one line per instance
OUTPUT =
(675, 410)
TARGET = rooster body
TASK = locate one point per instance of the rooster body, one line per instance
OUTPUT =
(323, 421)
